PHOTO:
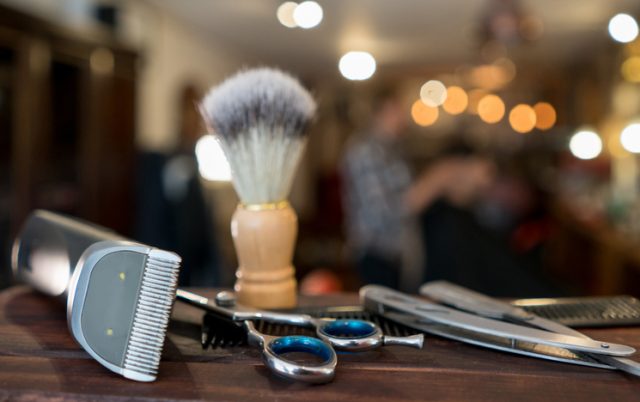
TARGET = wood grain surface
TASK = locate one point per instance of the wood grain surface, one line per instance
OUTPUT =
(39, 360)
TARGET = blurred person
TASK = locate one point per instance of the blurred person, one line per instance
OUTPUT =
(383, 201)
(479, 235)
(171, 209)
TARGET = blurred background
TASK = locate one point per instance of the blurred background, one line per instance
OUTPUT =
(98, 120)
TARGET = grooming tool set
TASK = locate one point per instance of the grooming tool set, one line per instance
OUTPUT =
(120, 294)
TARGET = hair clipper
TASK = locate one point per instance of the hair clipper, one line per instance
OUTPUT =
(119, 293)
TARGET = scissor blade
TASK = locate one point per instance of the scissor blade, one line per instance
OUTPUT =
(384, 299)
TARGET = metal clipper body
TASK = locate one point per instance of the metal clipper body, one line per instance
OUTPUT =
(119, 293)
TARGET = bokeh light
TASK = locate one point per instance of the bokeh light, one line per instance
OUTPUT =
(623, 28)
(630, 69)
(585, 145)
(433, 93)
(212, 164)
(491, 109)
(522, 118)
(307, 14)
(545, 115)
(357, 65)
(422, 114)
(630, 138)
(474, 98)
(285, 14)
(457, 100)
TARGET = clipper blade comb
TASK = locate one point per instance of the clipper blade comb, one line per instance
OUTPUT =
(119, 294)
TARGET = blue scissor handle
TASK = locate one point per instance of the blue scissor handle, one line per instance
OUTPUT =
(349, 329)
(276, 347)
(353, 335)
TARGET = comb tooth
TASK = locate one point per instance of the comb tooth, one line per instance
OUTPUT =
(151, 317)
(206, 335)
(223, 332)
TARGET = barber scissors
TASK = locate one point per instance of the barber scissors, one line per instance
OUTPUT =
(350, 335)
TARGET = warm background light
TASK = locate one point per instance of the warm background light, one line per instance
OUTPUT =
(630, 138)
(609, 131)
(623, 28)
(307, 14)
(433, 93)
(585, 145)
(422, 114)
(615, 147)
(457, 100)
(285, 14)
(474, 98)
(631, 69)
(545, 115)
(491, 109)
(357, 66)
(492, 76)
(522, 118)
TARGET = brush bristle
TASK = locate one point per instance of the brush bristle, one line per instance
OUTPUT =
(259, 117)
(155, 300)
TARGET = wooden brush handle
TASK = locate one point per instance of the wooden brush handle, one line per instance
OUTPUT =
(264, 237)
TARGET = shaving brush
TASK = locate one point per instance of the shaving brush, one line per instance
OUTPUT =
(259, 117)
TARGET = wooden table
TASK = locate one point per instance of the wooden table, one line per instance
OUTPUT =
(39, 360)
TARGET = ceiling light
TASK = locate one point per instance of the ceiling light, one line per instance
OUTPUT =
(545, 115)
(457, 100)
(285, 14)
(585, 145)
(522, 118)
(307, 14)
(357, 65)
(491, 109)
(422, 114)
(623, 28)
(433, 93)
(630, 138)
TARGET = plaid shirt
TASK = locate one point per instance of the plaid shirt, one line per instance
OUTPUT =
(376, 179)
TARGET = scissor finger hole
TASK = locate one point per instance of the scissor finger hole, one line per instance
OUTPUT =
(349, 329)
(301, 350)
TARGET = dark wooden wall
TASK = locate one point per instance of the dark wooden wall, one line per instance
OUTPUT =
(67, 114)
